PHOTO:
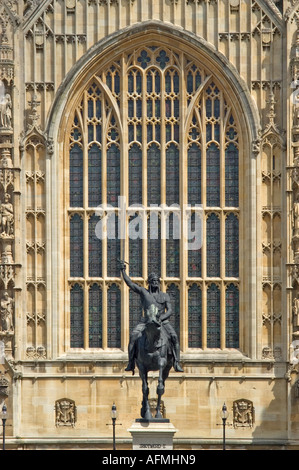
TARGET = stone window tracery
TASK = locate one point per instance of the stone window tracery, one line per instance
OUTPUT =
(155, 127)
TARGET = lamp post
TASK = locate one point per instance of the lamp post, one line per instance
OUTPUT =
(4, 417)
(113, 417)
(224, 415)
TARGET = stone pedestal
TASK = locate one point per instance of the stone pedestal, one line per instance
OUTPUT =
(154, 435)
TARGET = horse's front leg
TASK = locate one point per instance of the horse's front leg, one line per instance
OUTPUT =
(160, 388)
(145, 410)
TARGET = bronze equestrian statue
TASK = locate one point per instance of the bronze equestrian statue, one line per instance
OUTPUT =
(153, 343)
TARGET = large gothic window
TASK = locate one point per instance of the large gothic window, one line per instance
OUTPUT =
(156, 128)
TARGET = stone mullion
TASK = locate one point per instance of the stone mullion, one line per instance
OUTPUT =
(144, 172)
(85, 222)
(124, 243)
(163, 172)
(183, 201)
(204, 245)
(222, 222)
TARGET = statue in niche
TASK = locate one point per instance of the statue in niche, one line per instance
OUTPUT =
(6, 216)
(6, 312)
(5, 111)
(296, 311)
(296, 212)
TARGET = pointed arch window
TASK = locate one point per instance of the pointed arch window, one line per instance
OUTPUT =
(156, 127)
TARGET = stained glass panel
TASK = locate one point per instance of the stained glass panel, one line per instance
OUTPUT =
(135, 175)
(232, 176)
(153, 175)
(173, 246)
(194, 317)
(77, 316)
(135, 310)
(114, 317)
(174, 294)
(194, 175)
(94, 176)
(232, 246)
(76, 176)
(194, 256)
(213, 176)
(113, 246)
(213, 246)
(232, 316)
(154, 245)
(213, 316)
(113, 175)
(76, 246)
(95, 317)
(172, 175)
(95, 249)
(135, 245)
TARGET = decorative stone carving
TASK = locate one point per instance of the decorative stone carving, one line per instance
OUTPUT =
(66, 412)
(6, 217)
(3, 386)
(243, 413)
(296, 311)
(6, 312)
(5, 111)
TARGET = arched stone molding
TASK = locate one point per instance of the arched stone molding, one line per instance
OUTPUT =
(245, 111)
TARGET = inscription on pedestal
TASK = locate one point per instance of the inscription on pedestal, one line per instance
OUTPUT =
(152, 435)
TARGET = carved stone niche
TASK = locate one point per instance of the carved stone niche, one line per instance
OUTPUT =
(153, 407)
(243, 413)
(4, 384)
(65, 413)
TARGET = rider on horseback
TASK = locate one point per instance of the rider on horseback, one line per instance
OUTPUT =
(152, 296)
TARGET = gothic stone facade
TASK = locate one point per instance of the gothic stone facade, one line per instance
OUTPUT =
(206, 90)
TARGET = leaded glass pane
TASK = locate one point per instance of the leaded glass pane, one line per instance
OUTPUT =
(153, 175)
(194, 256)
(213, 176)
(95, 317)
(172, 175)
(135, 245)
(154, 245)
(174, 294)
(173, 246)
(113, 246)
(94, 249)
(114, 317)
(232, 316)
(194, 175)
(77, 316)
(232, 246)
(213, 316)
(135, 310)
(76, 246)
(194, 317)
(76, 176)
(94, 176)
(135, 175)
(213, 246)
(113, 175)
(232, 176)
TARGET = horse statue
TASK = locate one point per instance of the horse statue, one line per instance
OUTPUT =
(153, 342)
(153, 352)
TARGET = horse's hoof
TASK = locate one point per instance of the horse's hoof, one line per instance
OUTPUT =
(158, 415)
(148, 416)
